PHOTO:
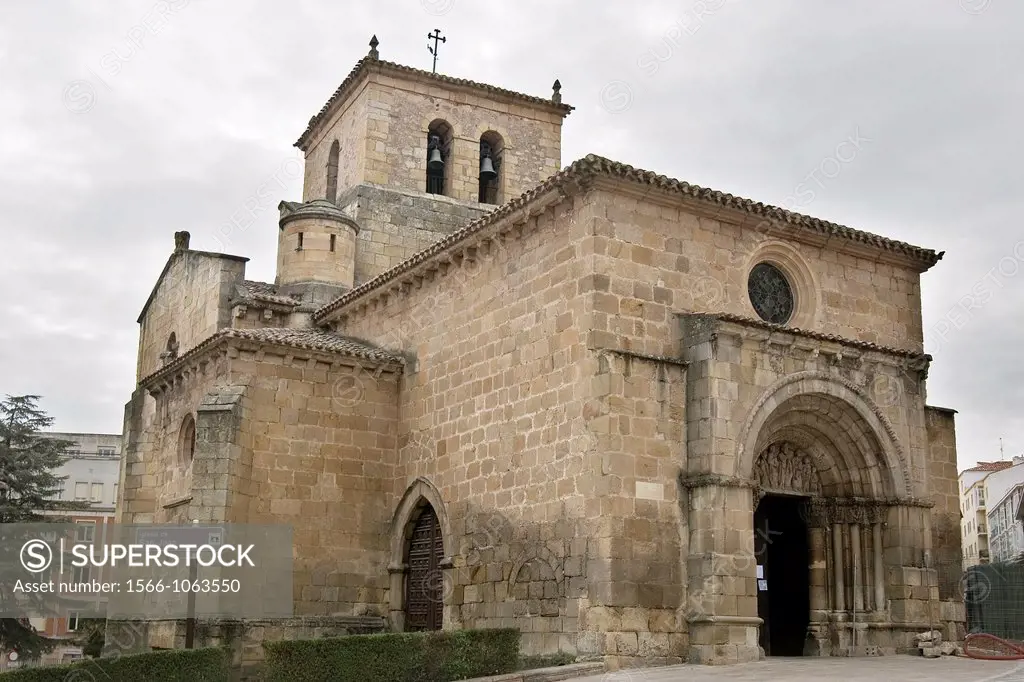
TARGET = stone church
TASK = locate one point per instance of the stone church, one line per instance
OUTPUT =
(639, 419)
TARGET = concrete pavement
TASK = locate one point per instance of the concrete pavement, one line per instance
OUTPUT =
(875, 669)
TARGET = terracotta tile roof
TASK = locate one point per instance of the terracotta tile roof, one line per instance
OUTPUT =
(314, 339)
(250, 291)
(306, 339)
(593, 167)
(365, 65)
(819, 336)
(990, 466)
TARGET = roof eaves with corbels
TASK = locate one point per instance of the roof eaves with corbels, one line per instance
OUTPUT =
(583, 173)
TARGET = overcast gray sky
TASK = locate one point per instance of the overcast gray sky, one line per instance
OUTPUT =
(122, 122)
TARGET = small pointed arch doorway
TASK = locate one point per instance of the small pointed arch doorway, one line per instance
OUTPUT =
(421, 560)
(424, 582)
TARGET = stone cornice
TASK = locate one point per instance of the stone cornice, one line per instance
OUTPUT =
(319, 209)
(224, 343)
(760, 216)
(658, 359)
(719, 324)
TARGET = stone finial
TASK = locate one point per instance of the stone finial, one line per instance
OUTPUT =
(556, 95)
(181, 241)
(373, 48)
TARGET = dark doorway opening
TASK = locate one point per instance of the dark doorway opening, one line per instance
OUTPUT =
(783, 586)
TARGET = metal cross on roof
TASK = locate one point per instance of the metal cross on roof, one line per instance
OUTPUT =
(435, 36)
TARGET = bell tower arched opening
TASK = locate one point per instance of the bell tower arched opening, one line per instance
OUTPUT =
(439, 147)
(492, 147)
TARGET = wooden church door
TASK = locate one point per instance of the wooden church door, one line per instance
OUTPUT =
(424, 585)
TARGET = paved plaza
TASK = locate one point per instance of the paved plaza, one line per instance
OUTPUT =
(880, 669)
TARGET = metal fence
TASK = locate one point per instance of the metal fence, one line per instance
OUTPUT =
(994, 597)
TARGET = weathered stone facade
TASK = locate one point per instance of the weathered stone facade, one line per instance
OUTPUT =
(572, 396)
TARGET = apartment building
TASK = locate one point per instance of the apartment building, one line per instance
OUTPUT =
(973, 511)
(1005, 492)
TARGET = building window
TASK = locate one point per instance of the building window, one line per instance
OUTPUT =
(299, 246)
(81, 491)
(73, 621)
(492, 148)
(439, 143)
(86, 531)
(115, 493)
(187, 441)
(332, 172)
(770, 293)
(97, 493)
(106, 451)
(81, 574)
(334, 239)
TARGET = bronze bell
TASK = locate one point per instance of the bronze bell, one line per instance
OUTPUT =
(487, 171)
(434, 160)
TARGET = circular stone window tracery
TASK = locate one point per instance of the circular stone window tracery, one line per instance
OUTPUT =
(770, 293)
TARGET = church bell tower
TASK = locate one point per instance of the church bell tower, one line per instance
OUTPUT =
(398, 158)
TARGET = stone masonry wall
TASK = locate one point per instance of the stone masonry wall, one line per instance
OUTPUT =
(395, 224)
(637, 571)
(320, 443)
(492, 414)
(316, 261)
(191, 302)
(382, 131)
(654, 261)
(349, 128)
(943, 486)
(157, 484)
(401, 111)
(665, 257)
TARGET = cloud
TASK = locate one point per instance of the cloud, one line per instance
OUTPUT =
(123, 123)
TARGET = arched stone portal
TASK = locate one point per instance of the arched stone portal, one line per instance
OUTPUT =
(823, 483)
(421, 560)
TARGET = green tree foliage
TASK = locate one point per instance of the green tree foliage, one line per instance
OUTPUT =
(29, 485)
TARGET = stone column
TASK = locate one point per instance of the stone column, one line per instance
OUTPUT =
(817, 643)
(858, 585)
(876, 538)
(837, 567)
(818, 570)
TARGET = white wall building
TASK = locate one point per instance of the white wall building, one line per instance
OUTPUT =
(93, 471)
(973, 510)
(1005, 490)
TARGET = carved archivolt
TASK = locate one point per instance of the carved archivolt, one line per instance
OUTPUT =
(808, 382)
(784, 467)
